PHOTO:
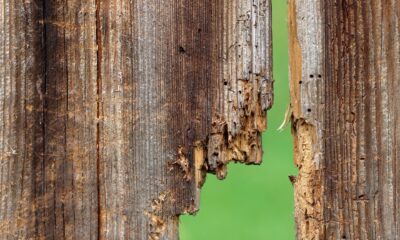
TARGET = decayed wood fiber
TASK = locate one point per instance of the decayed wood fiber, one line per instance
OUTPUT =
(344, 87)
(112, 112)
(247, 78)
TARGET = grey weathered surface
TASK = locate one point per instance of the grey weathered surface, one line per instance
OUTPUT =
(344, 86)
(113, 111)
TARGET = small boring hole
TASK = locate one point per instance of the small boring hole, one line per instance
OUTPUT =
(311, 75)
(308, 109)
(181, 49)
(300, 82)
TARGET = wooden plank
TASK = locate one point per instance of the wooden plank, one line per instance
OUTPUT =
(114, 111)
(344, 84)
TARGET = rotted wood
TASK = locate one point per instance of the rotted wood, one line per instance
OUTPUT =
(112, 112)
(344, 88)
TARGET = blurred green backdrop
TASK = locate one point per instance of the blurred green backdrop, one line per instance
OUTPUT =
(254, 202)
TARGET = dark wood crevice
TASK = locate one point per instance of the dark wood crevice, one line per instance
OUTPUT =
(99, 115)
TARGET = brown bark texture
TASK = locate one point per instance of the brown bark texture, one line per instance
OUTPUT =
(112, 112)
(345, 80)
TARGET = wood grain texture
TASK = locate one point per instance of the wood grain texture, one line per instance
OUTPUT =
(344, 84)
(112, 112)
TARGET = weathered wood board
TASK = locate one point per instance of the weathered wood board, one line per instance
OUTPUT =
(112, 112)
(345, 80)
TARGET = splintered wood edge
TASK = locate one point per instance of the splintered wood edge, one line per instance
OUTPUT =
(240, 116)
(305, 60)
(236, 129)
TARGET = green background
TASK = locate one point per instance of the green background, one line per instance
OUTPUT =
(254, 202)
